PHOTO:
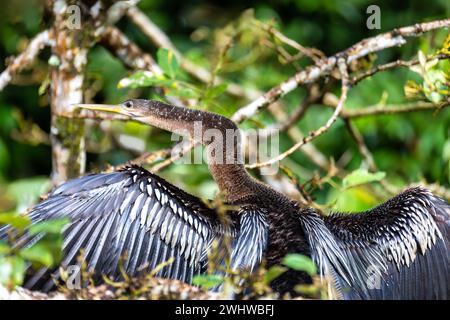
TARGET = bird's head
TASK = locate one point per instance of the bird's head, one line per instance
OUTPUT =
(134, 108)
(152, 112)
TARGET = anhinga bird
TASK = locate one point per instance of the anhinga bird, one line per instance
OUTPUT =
(405, 242)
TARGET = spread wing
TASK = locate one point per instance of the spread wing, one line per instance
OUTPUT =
(398, 250)
(251, 241)
(136, 220)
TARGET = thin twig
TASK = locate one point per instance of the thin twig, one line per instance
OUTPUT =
(176, 153)
(127, 51)
(313, 53)
(314, 134)
(25, 58)
(391, 65)
(314, 97)
(362, 147)
(287, 123)
(393, 109)
(151, 157)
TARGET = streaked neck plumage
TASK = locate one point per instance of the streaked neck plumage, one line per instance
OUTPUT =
(218, 134)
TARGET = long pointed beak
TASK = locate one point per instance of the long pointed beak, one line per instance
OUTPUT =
(101, 107)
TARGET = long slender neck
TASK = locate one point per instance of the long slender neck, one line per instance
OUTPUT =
(221, 137)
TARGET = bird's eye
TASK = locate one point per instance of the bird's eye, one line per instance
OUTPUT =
(128, 104)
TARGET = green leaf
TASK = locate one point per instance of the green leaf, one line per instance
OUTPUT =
(361, 176)
(18, 272)
(19, 222)
(38, 253)
(207, 281)
(141, 79)
(27, 191)
(180, 92)
(216, 91)
(354, 199)
(273, 273)
(300, 262)
(53, 226)
(168, 62)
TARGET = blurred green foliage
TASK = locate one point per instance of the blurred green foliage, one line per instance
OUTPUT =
(46, 252)
(407, 147)
(300, 262)
(207, 281)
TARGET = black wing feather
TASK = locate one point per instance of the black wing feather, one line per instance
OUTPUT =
(139, 217)
(404, 243)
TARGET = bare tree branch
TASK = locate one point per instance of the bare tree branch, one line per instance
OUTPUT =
(313, 134)
(391, 65)
(128, 52)
(176, 153)
(287, 123)
(71, 49)
(25, 58)
(67, 135)
(325, 66)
